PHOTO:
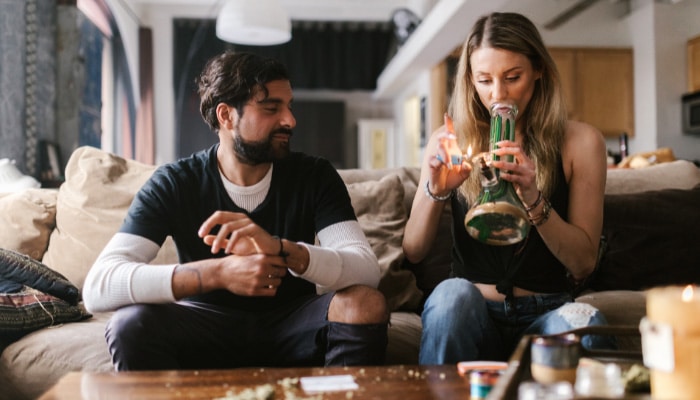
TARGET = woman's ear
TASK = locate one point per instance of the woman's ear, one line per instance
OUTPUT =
(226, 115)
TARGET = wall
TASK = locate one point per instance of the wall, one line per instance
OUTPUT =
(27, 79)
(674, 26)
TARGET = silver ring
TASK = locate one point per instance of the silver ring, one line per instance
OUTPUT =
(270, 276)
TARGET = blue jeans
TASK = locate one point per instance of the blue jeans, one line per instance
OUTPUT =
(460, 325)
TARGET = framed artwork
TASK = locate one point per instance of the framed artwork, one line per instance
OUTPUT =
(375, 143)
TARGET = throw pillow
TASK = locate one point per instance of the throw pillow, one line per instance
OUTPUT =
(652, 240)
(18, 270)
(380, 210)
(92, 203)
(30, 310)
(27, 219)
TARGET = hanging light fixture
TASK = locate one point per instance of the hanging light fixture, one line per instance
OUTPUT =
(253, 22)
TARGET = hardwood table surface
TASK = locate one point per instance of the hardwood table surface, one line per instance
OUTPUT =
(405, 382)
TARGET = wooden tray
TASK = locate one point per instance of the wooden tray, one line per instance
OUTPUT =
(519, 364)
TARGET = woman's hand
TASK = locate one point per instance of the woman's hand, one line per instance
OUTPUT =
(448, 167)
(521, 171)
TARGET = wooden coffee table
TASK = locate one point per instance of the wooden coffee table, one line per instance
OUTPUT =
(387, 382)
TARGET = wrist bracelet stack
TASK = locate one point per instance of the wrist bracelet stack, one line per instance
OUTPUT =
(543, 216)
(434, 197)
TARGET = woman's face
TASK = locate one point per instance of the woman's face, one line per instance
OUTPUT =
(503, 76)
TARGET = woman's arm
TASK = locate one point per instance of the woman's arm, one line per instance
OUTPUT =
(441, 179)
(575, 242)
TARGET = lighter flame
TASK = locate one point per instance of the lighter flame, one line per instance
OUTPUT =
(469, 151)
(687, 293)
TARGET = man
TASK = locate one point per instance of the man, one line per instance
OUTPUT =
(244, 215)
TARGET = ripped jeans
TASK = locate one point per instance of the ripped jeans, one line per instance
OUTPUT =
(460, 325)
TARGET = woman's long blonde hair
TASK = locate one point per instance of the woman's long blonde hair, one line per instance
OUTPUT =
(545, 116)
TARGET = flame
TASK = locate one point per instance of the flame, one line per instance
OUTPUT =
(469, 151)
(687, 293)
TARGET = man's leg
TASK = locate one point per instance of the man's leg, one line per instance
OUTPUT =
(174, 336)
(357, 327)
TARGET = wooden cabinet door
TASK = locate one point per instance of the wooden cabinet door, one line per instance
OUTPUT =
(566, 64)
(598, 85)
(605, 87)
(694, 64)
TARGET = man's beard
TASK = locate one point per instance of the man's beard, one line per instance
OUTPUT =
(260, 152)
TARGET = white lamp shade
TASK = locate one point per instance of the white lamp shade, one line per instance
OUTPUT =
(253, 22)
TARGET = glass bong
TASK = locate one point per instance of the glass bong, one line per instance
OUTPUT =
(497, 217)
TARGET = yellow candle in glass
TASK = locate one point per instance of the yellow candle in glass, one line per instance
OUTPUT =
(677, 308)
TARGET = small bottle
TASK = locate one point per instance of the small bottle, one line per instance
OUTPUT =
(624, 149)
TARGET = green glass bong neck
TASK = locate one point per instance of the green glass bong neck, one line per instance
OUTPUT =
(497, 217)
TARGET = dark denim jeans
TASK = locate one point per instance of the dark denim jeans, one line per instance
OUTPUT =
(460, 325)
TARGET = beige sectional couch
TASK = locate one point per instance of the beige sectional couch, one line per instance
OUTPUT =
(66, 228)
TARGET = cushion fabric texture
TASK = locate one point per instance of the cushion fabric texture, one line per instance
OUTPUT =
(91, 206)
(651, 240)
(17, 270)
(381, 212)
(27, 219)
(30, 310)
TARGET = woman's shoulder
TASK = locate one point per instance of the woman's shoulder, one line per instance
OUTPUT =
(583, 136)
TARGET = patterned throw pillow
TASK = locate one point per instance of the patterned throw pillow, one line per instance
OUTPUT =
(17, 270)
(30, 310)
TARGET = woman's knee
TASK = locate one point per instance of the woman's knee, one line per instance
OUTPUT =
(454, 299)
(358, 305)
(580, 315)
(454, 292)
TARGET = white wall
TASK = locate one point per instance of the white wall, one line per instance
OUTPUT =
(674, 26)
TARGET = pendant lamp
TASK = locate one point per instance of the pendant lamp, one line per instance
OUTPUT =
(253, 22)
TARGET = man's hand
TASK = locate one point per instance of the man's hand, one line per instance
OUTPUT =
(238, 234)
(251, 275)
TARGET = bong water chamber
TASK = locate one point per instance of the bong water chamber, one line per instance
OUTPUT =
(497, 217)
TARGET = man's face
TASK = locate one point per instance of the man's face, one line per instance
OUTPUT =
(262, 132)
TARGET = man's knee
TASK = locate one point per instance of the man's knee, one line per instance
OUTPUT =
(358, 305)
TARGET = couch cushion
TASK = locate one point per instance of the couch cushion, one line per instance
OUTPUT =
(27, 219)
(381, 212)
(30, 366)
(620, 308)
(29, 310)
(679, 174)
(19, 269)
(651, 240)
(92, 203)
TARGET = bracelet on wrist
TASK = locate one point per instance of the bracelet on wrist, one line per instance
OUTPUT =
(281, 253)
(435, 197)
(536, 203)
(543, 216)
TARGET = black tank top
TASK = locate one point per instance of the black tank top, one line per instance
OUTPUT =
(528, 264)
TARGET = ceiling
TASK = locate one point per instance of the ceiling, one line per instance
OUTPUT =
(319, 10)
(542, 12)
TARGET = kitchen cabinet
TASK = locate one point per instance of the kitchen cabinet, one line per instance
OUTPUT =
(694, 65)
(598, 85)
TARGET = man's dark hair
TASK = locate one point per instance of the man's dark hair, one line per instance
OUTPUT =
(234, 78)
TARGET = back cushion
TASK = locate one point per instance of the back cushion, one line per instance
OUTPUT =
(26, 220)
(90, 209)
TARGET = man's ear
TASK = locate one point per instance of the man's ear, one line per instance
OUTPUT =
(226, 115)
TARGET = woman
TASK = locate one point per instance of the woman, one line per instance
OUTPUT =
(499, 293)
